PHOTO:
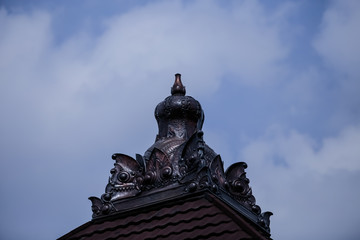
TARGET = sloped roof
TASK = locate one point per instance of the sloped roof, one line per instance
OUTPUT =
(197, 216)
(178, 188)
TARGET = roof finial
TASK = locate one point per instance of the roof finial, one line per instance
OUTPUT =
(178, 88)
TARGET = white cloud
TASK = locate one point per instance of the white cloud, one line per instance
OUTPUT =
(307, 184)
(201, 40)
(67, 106)
(293, 150)
(341, 152)
(339, 41)
(142, 47)
(58, 87)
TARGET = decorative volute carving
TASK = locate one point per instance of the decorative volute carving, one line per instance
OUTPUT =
(126, 178)
(178, 158)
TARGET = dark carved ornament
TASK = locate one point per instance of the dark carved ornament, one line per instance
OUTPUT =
(179, 159)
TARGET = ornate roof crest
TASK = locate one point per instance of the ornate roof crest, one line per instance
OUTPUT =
(178, 163)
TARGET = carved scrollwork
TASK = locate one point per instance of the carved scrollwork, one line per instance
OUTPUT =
(125, 180)
(198, 181)
(159, 169)
(238, 186)
(264, 220)
(217, 172)
(99, 207)
(190, 158)
(96, 205)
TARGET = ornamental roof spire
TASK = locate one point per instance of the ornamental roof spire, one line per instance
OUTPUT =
(178, 165)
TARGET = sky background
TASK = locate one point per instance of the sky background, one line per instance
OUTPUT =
(279, 82)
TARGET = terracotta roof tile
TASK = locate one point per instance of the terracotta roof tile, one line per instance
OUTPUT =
(192, 219)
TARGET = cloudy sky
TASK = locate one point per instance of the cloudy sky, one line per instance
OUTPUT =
(278, 80)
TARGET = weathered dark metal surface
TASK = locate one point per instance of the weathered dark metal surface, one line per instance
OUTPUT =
(177, 165)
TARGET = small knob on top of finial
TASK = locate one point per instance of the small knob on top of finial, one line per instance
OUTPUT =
(178, 88)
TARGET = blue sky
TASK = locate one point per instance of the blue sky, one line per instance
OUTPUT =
(278, 82)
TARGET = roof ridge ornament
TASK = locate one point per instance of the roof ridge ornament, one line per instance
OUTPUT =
(178, 163)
